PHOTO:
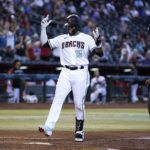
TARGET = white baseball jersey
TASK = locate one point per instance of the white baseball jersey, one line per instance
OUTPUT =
(99, 87)
(74, 50)
(98, 82)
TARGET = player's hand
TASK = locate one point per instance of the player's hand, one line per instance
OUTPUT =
(96, 34)
(45, 22)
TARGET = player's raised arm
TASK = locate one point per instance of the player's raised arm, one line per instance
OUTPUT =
(96, 36)
(44, 23)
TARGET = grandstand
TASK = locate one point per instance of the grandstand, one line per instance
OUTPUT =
(122, 25)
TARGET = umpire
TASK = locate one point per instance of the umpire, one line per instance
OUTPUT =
(16, 83)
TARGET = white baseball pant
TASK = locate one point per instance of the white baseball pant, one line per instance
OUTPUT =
(75, 80)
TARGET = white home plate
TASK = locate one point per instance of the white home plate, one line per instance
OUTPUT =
(112, 149)
(38, 143)
(143, 138)
(139, 138)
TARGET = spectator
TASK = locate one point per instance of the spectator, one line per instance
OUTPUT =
(17, 84)
(124, 57)
(126, 14)
(147, 9)
(98, 88)
(10, 38)
(29, 48)
(106, 51)
(135, 57)
(140, 45)
(88, 27)
(146, 60)
(125, 17)
(45, 53)
(36, 50)
(9, 6)
(33, 48)
(8, 54)
(2, 38)
(114, 38)
(20, 49)
(134, 85)
(134, 12)
(2, 42)
(147, 82)
(37, 3)
(71, 8)
(138, 3)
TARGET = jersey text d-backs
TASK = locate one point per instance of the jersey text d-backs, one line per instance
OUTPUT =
(74, 50)
(77, 44)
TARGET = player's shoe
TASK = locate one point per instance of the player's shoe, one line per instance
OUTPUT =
(47, 131)
(79, 136)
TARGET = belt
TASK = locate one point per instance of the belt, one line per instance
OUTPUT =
(74, 67)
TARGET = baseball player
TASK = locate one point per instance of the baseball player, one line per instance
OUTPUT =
(98, 88)
(75, 48)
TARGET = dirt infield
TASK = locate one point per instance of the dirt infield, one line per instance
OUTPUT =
(33, 140)
(47, 105)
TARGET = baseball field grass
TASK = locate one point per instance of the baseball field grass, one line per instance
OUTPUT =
(109, 119)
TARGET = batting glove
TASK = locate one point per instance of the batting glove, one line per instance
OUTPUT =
(45, 22)
(96, 33)
(96, 36)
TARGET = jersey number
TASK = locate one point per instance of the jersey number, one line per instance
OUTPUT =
(79, 53)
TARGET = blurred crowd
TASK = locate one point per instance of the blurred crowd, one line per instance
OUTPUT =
(122, 25)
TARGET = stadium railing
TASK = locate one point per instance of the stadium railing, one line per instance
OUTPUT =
(31, 77)
(113, 91)
(129, 79)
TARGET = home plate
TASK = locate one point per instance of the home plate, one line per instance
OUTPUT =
(143, 138)
(112, 149)
(38, 143)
